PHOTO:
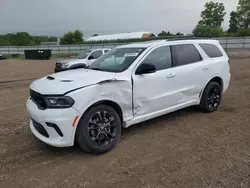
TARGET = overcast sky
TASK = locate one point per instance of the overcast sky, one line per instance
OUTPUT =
(55, 17)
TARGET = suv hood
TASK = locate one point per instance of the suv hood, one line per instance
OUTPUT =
(63, 82)
(73, 61)
(67, 60)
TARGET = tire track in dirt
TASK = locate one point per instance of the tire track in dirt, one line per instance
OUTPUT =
(8, 84)
(8, 81)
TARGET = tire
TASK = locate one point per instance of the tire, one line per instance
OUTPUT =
(211, 97)
(95, 136)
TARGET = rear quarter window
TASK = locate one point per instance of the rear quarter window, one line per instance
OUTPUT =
(184, 54)
(211, 50)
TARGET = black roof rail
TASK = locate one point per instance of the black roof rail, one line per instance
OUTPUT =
(187, 38)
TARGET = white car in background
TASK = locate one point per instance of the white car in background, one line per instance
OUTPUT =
(128, 85)
(85, 58)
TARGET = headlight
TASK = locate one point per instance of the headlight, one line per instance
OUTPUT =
(59, 101)
(65, 65)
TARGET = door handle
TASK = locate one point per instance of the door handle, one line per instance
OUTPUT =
(171, 75)
(205, 68)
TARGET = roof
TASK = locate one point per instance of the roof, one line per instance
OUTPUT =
(94, 49)
(142, 44)
(131, 35)
(158, 42)
(100, 49)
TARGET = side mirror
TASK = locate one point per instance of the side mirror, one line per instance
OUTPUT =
(146, 68)
(90, 57)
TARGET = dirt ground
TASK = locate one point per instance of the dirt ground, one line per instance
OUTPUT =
(183, 149)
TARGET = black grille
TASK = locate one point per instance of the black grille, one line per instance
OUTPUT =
(58, 65)
(53, 125)
(38, 99)
(40, 129)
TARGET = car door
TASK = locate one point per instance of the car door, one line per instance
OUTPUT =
(94, 55)
(155, 91)
(190, 71)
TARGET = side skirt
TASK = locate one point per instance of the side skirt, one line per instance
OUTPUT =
(159, 113)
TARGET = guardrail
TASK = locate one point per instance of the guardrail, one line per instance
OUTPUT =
(226, 42)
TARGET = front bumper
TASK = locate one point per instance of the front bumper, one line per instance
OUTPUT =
(42, 124)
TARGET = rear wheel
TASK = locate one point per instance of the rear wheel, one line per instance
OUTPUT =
(99, 129)
(211, 97)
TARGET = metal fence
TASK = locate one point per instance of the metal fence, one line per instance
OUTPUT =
(227, 43)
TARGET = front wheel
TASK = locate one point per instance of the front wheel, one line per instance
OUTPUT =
(211, 97)
(99, 129)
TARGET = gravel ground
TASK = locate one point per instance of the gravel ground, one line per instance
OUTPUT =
(183, 149)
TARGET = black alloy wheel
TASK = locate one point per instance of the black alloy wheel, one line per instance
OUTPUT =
(214, 97)
(211, 97)
(99, 129)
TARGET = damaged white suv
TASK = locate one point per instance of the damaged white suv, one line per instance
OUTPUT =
(128, 85)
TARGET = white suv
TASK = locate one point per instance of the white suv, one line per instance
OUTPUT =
(127, 85)
(85, 58)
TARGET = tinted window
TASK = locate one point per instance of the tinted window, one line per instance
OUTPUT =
(105, 51)
(160, 57)
(211, 50)
(184, 54)
(96, 54)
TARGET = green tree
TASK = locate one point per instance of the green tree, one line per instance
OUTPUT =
(233, 23)
(164, 33)
(4, 42)
(23, 38)
(212, 19)
(67, 38)
(179, 34)
(206, 31)
(243, 11)
(20, 39)
(75, 37)
(78, 37)
(243, 32)
(213, 15)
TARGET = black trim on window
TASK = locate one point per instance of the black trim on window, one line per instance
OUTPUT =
(175, 55)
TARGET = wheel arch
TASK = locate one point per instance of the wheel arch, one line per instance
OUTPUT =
(110, 103)
(214, 79)
(218, 80)
(77, 66)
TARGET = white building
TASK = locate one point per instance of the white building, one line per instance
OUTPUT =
(131, 35)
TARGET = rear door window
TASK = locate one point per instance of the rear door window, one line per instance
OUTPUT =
(211, 50)
(184, 54)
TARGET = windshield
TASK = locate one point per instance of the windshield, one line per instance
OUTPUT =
(117, 60)
(83, 54)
